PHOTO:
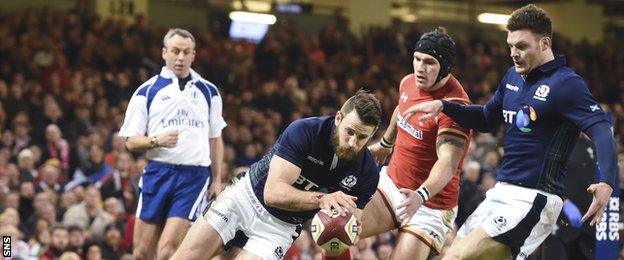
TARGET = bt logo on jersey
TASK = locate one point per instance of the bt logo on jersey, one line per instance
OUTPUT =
(522, 118)
(508, 116)
(525, 116)
(305, 183)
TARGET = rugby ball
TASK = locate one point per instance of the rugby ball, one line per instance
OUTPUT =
(334, 233)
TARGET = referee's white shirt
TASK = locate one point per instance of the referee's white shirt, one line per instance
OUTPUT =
(158, 106)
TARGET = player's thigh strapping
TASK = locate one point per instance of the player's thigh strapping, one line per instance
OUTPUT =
(238, 209)
(172, 191)
(431, 226)
(518, 217)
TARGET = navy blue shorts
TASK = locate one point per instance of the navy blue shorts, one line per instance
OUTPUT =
(172, 191)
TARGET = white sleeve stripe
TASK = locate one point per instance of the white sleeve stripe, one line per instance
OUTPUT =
(213, 89)
(143, 88)
(206, 91)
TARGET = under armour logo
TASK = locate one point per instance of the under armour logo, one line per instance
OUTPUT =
(403, 97)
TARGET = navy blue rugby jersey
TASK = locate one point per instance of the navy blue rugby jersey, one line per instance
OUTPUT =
(307, 143)
(543, 115)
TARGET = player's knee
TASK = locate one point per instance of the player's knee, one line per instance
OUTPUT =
(456, 252)
(467, 253)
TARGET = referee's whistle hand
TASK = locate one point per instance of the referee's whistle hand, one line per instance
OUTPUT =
(601, 193)
(168, 139)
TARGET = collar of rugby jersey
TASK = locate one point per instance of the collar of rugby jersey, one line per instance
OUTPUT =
(546, 68)
(168, 74)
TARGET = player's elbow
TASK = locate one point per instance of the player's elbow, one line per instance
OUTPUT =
(270, 195)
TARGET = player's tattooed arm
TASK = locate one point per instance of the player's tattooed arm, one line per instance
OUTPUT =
(449, 149)
(454, 141)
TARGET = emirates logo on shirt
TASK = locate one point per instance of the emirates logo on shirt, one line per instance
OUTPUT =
(403, 124)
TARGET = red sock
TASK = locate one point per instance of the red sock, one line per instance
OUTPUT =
(346, 255)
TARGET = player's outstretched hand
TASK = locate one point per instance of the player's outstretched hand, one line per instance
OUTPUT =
(431, 109)
(602, 194)
(338, 201)
(409, 206)
(379, 153)
(168, 139)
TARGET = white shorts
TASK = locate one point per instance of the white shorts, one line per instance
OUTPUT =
(518, 217)
(238, 209)
(431, 226)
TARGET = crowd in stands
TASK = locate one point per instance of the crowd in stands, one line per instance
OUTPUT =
(69, 187)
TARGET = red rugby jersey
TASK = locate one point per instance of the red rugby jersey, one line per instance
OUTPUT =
(415, 149)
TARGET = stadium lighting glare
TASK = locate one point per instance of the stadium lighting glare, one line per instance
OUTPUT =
(252, 5)
(409, 18)
(253, 17)
(491, 18)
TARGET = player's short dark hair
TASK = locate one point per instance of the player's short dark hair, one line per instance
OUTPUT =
(366, 105)
(532, 18)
